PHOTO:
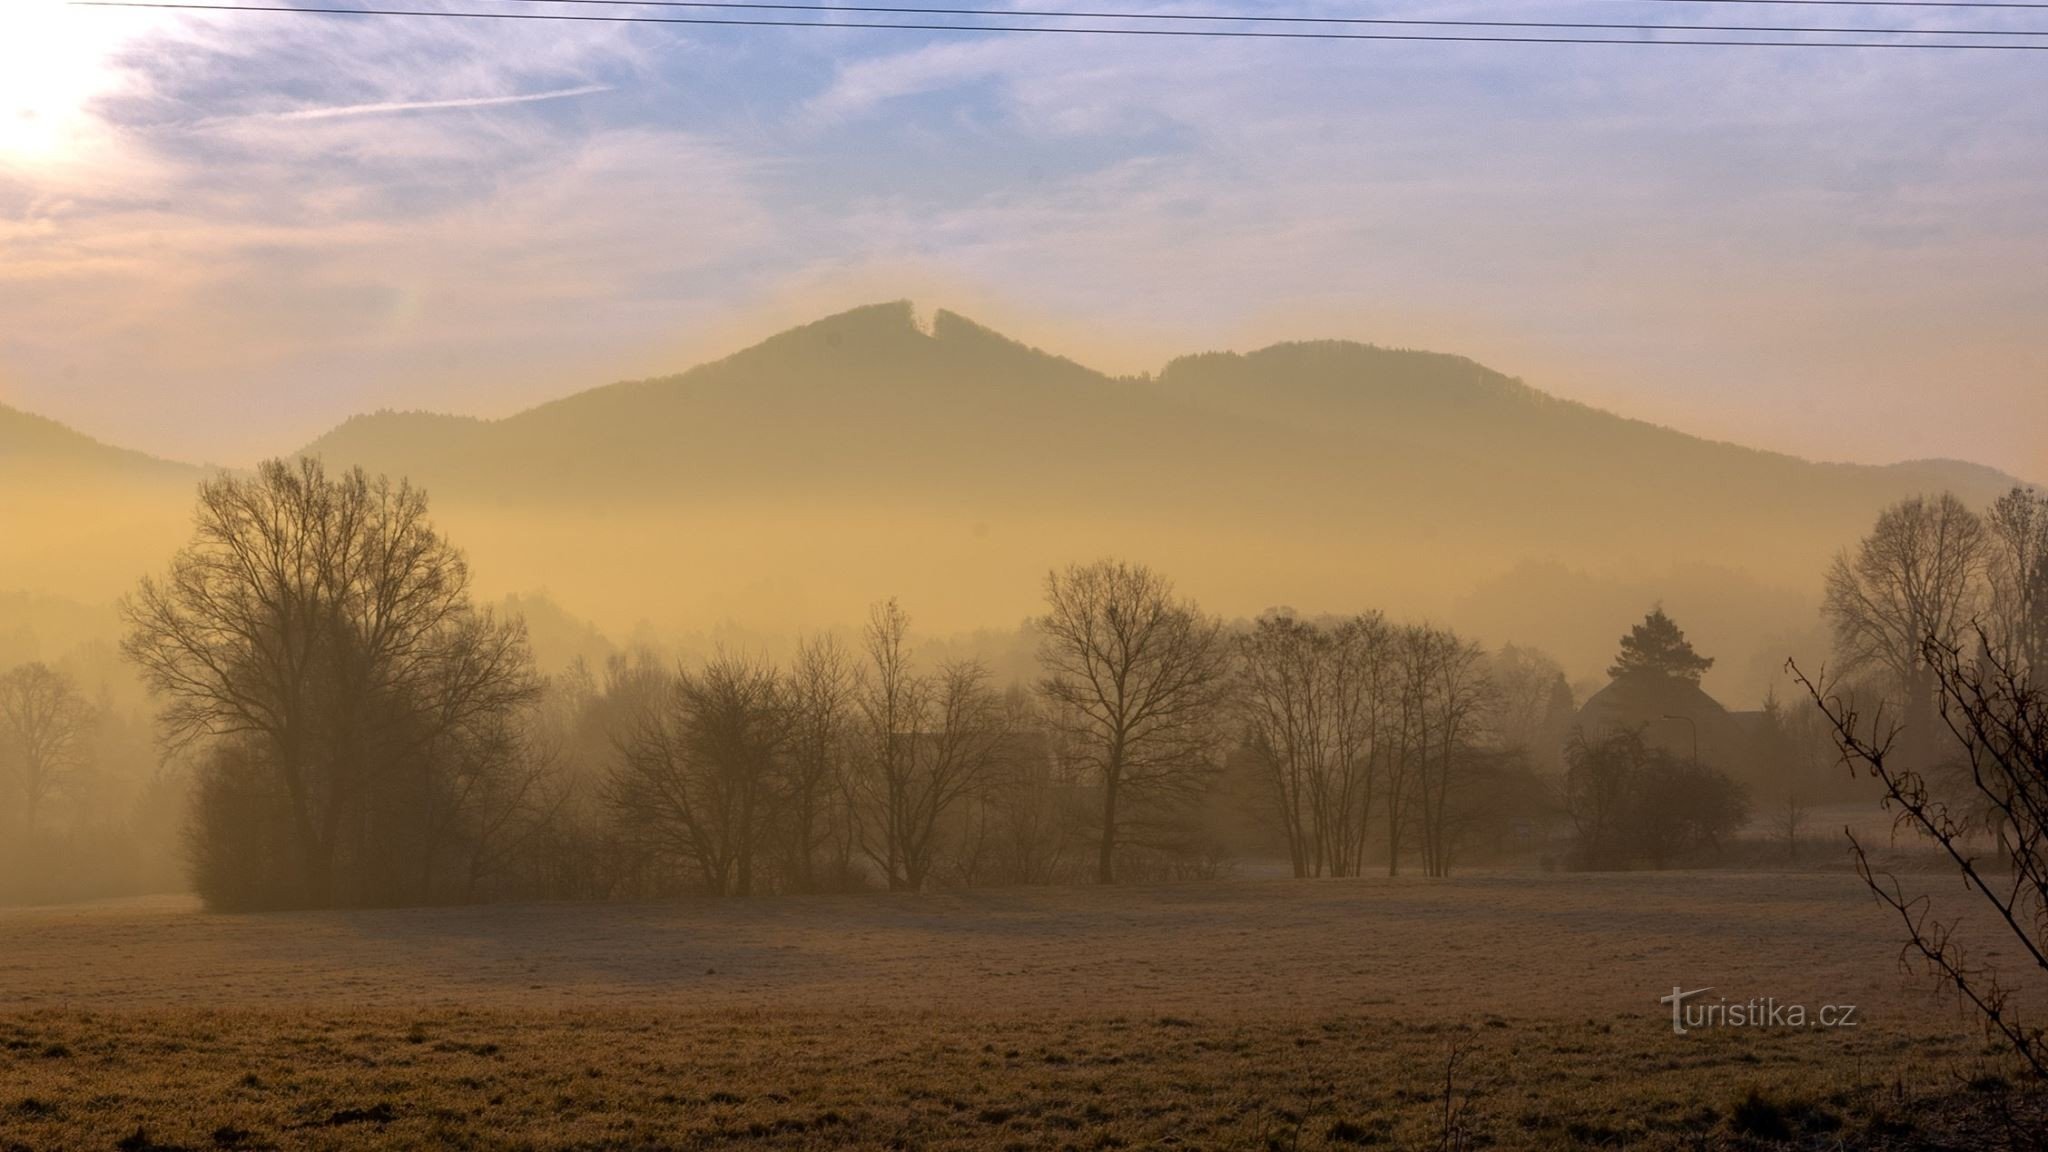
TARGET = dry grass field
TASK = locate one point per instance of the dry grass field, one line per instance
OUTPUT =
(1504, 1011)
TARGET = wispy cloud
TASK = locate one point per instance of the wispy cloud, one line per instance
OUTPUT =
(277, 220)
(386, 107)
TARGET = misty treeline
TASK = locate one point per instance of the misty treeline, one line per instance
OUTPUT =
(1940, 621)
(86, 809)
(362, 733)
(1410, 734)
(1935, 575)
(359, 731)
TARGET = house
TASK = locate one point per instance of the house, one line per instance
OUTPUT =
(1670, 712)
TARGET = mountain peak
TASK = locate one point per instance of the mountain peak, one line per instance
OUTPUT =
(869, 327)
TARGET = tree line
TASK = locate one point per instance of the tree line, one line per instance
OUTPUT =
(364, 733)
(361, 732)
(1360, 720)
(1934, 571)
(83, 801)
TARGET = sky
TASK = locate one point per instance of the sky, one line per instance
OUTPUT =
(222, 233)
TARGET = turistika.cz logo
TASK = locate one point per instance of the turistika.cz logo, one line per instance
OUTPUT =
(1688, 1013)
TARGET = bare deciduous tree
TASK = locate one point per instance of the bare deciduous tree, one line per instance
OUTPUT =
(1792, 820)
(1027, 808)
(1534, 705)
(1279, 670)
(324, 628)
(695, 779)
(1455, 696)
(499, 790)
(1312, 699)
(925, 742)
(822, 705)
(1917, 575)
(2018, 525)
(45, 736)
(1134, 679)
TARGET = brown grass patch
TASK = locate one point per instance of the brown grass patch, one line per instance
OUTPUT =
(1244, 1015)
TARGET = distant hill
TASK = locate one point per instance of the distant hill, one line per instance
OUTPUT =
(866, 455)
(860, 403)
(81, 519)
(867, 401)
(29, 442)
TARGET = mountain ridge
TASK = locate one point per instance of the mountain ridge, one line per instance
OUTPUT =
(895, 322)
(24, 433)
(868, 454)
(26, 437)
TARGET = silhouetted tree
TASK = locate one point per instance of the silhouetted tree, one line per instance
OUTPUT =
(1533, 704)
(493, 808)
(1599, 791)
(1658, 647)
(2018, 529)
(239, 838)
(45, 737)
(695, 780)
(823, 707)
(1436, 692)
(1134, 681)
(923, 744)
(1916, 577)
(323, 628)
(1455, 700)
(1027, 811)
(1313, 699)
(1684, 806)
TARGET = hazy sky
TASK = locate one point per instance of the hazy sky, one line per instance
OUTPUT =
(220, 234)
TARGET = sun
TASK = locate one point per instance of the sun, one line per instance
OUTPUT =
(54, 60)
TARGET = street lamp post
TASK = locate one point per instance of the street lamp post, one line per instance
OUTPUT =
(1695, 726)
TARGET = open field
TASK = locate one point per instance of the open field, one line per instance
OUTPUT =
(1243, 1014)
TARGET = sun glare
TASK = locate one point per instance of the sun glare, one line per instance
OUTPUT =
(54, 60)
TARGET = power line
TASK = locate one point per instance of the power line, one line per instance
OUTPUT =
(2032, 4)
(1051, 14)
(1206, 33)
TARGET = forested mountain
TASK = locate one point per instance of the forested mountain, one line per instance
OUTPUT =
(867, 454)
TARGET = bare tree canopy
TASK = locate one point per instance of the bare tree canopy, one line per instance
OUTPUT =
(696, 777)
(1314, 699)
(1134, 679)
(818, 785)
(321, 624)
(2018, 526)
(1534, 706)
(1445, 704)
(924, 743)
(45, 728)
(1916, 577)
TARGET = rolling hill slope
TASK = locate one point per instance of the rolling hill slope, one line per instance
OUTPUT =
(79, 518)
(865, 455)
